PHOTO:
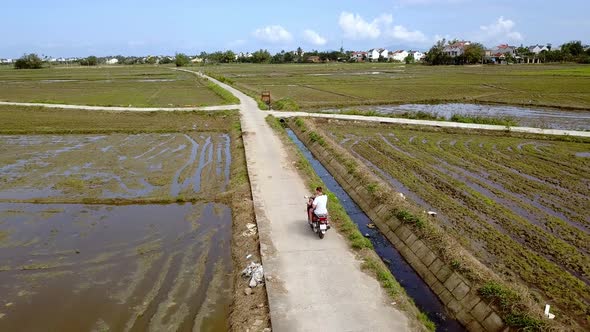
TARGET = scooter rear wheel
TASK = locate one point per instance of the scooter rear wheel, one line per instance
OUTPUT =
(321, 235)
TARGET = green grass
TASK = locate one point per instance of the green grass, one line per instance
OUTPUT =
(499, 121)
(316, 86)
(139, 86)
(31, 120)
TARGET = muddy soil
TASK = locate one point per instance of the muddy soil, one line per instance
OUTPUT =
(69, 168)
(118, 268)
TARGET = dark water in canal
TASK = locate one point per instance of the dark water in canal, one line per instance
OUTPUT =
(416, 288)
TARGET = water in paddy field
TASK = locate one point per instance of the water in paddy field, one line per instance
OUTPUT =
(415, 287)
(526, 117)
(76, 267)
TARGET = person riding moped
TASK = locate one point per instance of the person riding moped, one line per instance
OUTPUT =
(317, 205)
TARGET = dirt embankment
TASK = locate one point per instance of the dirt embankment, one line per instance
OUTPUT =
(248, 312)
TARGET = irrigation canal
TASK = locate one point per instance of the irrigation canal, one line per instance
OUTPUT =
(416, 288)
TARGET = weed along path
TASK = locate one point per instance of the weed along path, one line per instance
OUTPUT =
(312, 284)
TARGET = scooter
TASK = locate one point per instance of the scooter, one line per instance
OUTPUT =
(319, 223)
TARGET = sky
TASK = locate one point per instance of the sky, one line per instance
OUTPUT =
(128, 27)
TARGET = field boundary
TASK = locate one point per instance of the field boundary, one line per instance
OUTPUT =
(122, 109)
(456, 277)
(430, 123)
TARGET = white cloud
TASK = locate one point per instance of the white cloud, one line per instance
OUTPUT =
(273, 34)
(355, 27)
(499, 31)
(313, 37)
(400, 32)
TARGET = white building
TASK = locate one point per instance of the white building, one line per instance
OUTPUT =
(5, 60)
(399, 55)
(418, 56)
(536, 49)
(112, 61)
(456, 49)
(375, 53)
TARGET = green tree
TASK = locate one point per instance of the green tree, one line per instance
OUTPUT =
(181, 60)
(261, 56)
(288, 57)
(573, 48)
(436, 55)
(89, 61)
(29, 61)
(474, 53)
(409, 59)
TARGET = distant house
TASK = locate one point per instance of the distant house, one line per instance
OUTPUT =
(536, 49)
(399, 55)
(499, 53)
(358, 56)
(418, 56)
(314, 59)
(5, 61)
(112, 61)
(196, 60)
(456, 49)
(376, 53)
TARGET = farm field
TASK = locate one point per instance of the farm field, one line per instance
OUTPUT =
(316, 86)
(123, 220)
(139, 86)
(518, 203)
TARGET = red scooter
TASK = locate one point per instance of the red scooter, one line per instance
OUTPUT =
(320, 224)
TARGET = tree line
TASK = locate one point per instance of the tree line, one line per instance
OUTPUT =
(475, 53)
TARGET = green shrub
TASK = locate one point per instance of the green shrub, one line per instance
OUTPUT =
(510, 305)
(285, 104)
(500, 121)
(28, 61)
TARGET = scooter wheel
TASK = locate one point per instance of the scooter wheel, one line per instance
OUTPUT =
(321, 235)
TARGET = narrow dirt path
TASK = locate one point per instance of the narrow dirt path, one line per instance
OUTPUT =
(312, 284)
(123, 109)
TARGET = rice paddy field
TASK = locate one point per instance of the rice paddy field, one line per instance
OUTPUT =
(519, 203)
(316, 86)
(138, 86)
(127, 229)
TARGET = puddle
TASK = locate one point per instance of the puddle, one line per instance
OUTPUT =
(119, 268)
(415, 287)
(583, 154)
(526, 117)
(157, 80)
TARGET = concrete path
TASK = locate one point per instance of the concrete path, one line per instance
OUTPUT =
(447, 124)
(124, 109)
(312, 284)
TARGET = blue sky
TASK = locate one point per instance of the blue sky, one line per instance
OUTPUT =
(130, 27)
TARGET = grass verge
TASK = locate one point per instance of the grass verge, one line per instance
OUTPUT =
(361, 245)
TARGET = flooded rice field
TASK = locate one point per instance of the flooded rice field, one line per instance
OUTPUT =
(120, 268)
(70, 261)
(526, 117)
(113, 166)
(520, 205)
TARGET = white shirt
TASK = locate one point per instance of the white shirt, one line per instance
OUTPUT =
(321, 205)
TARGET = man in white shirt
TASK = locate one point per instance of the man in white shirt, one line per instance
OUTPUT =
(319, 205)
